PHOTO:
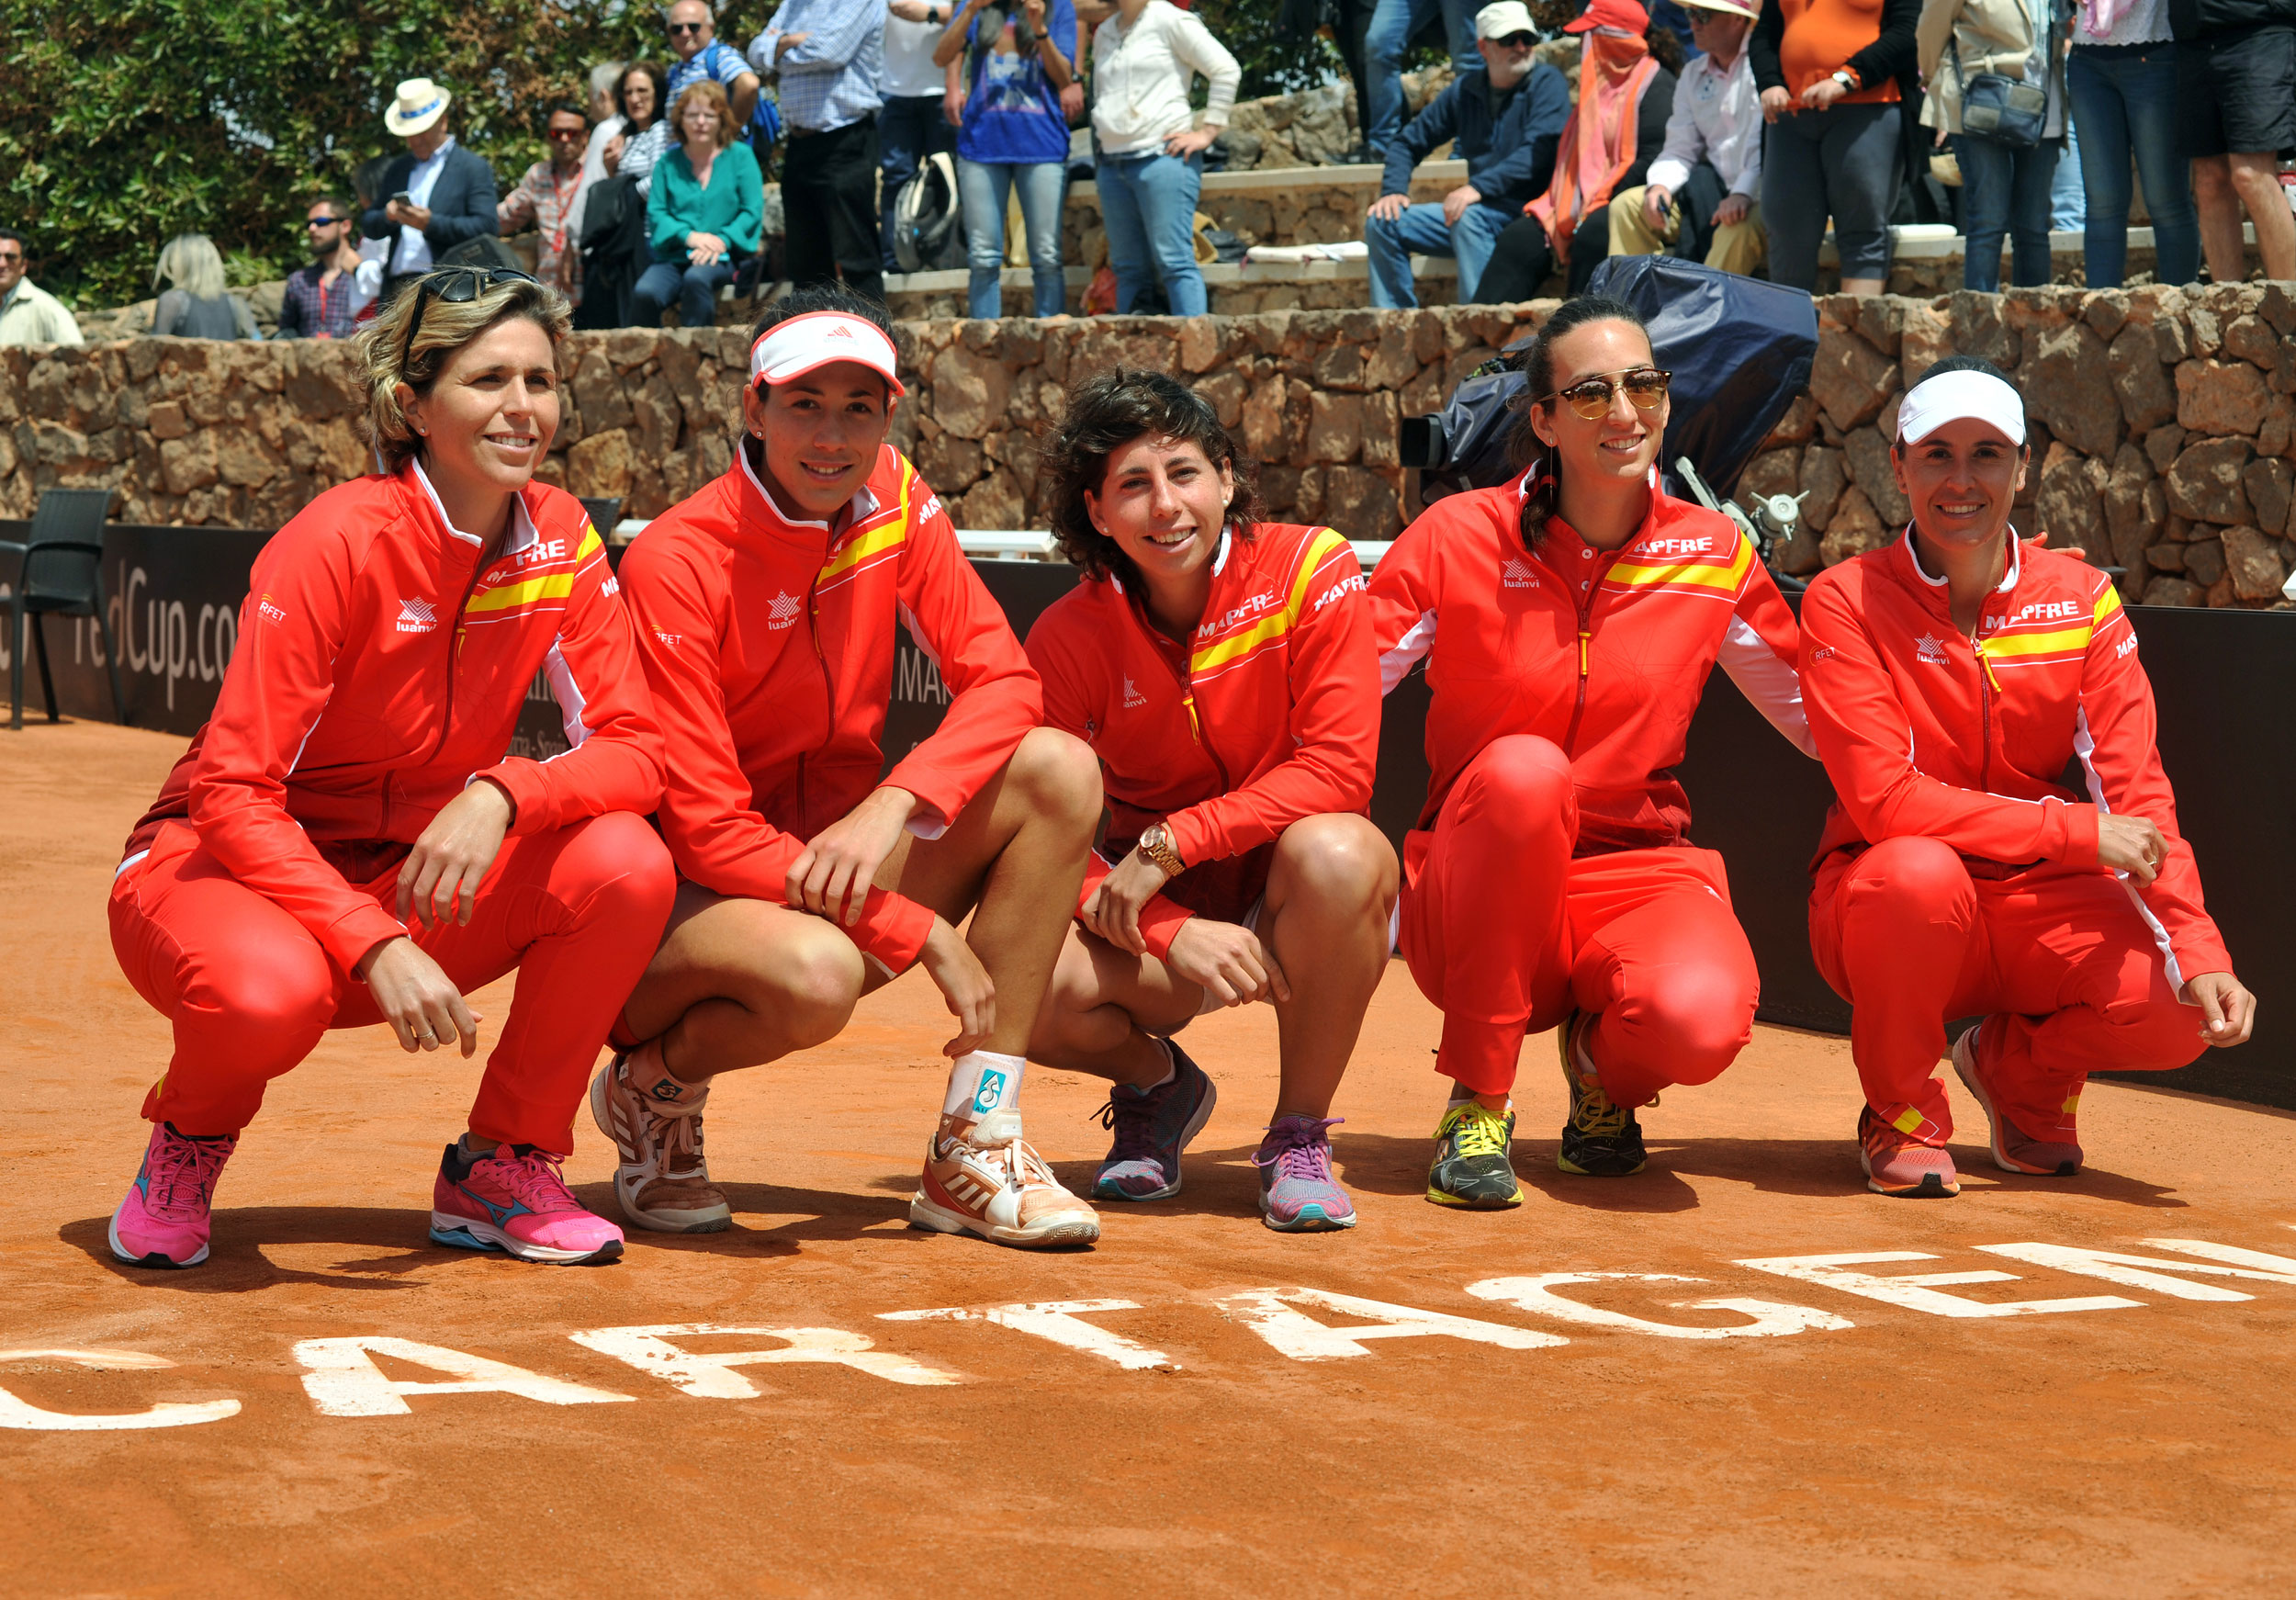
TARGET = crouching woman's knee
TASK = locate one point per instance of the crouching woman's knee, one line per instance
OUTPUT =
(818, 977)
(1059, 775)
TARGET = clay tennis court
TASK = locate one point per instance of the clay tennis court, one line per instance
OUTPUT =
(1225, 1439)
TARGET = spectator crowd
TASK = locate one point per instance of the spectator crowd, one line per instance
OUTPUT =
(912, 134)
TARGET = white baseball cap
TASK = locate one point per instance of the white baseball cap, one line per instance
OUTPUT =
(1953, 396)
(797, 346)
(1503, 17)
(418, 104)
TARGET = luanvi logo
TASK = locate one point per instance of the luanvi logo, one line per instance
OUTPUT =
(415, 616)
(784, 611)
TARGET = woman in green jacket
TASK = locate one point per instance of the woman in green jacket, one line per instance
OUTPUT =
(704, 213)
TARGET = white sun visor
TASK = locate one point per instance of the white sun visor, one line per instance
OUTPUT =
(791, 349)
(1952, 396)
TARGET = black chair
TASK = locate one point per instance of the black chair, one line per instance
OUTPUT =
(604, 512)
(59, 571)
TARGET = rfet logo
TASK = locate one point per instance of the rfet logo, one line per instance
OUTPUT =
(269, 610)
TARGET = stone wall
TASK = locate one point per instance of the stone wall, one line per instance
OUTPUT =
(2162, 438)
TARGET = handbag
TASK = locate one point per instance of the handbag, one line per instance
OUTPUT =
(2008, 111)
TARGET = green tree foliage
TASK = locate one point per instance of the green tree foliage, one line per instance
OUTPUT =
(1272, 65)
(124, 122)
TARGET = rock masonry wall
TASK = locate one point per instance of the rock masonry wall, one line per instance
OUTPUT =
(2165, 420)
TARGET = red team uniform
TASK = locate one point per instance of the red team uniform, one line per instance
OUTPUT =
(1551, 870)
(767, 644)
(380, 669)
(1958, 874)
(1268, 714)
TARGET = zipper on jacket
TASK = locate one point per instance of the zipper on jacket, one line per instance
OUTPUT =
(1586, 638)
(1987, 687)
(828, 686)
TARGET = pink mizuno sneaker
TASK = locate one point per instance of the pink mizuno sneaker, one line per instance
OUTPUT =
(515, 1200)
(164, 1221)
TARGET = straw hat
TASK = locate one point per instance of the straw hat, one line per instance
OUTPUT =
(419, 104)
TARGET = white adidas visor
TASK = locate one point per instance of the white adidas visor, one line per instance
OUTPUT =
(794, 348)
(1953, 396)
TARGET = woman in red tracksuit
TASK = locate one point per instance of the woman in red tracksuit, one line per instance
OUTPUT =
(1569, 621)
(766, 606)
(1955, 679)
(1221, 667)
(348, 842)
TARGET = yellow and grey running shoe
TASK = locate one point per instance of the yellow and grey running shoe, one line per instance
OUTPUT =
(1602, 1138)
(1471, 1168)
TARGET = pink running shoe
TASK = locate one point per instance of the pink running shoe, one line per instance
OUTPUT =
(515, 1200)
(164, 1221)
(1898, 1163)
(2014, 1149)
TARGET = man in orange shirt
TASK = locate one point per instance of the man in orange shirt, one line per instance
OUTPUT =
(766, 606)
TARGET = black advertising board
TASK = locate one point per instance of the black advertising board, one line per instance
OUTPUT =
(174, 595)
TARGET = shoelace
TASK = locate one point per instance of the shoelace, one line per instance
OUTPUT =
(1132, 1119)
(533, 1180)
(679, 1140)
(181, 1164)
(1301, 1150)
(1481, 1131)
(1597, 1115)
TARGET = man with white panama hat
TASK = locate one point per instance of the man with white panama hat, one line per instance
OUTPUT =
(1709, 174)
(437, 193)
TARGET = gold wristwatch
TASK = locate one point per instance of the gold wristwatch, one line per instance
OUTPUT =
(1155, 846)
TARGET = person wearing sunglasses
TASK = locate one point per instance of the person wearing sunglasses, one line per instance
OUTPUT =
(2003, 844)
(349, 840)
(549, 200)
(323, 298)
(28, 314)
(1569, 621)
(700, 54)
(813, 869)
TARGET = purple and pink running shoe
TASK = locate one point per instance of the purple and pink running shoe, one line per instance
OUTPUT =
(164, 1221)
(515, 1202)
(1298, 1192)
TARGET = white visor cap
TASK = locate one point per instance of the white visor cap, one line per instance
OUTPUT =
(1952, 396)
(794, 348)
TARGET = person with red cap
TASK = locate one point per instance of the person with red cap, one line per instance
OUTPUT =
(1616, 129)
(2004, 841)
(766, 607)
(1569, 621)
(349, 840)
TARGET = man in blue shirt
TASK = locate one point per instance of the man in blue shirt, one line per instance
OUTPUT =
(1505, 119)
(699, 53)
(829, 56)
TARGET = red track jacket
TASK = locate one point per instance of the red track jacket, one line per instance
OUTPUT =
(1927, 733)
(769, 647)
(1270, 715)
(379, 669)
(1605, 653)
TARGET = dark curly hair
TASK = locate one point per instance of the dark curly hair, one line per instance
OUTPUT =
(1538, 372)
(1107, 411)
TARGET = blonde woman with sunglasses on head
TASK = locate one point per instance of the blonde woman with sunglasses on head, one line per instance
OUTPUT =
(1569, 621)
(348, 841)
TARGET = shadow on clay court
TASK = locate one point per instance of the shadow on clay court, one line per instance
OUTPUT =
(1219, 1183)
(1385, 1163)
(401, 1241)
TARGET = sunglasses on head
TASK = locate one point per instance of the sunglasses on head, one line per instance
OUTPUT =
(455, 285)
(1590, 397)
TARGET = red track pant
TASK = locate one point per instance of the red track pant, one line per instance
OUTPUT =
(1508, 934)
(2064, 967)
(577, 911)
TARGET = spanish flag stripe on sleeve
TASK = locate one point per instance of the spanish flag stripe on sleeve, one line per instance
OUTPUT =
(866, 546)
(2069, 641)
(1706, 574)
(510, 596)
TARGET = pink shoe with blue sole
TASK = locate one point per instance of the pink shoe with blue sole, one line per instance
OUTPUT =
(164, 1221)
(515, 1202)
